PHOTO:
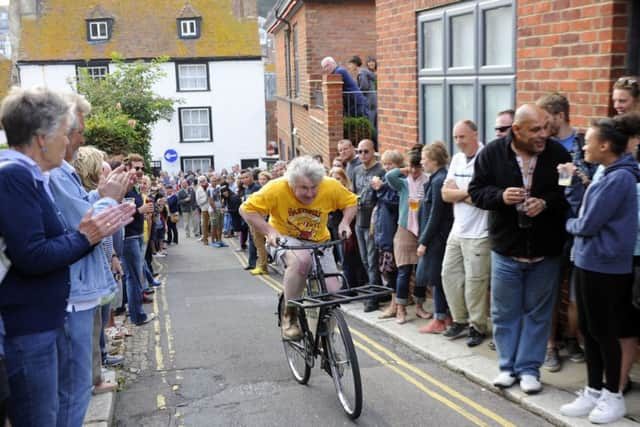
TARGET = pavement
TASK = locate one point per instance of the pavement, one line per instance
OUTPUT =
(478, 364)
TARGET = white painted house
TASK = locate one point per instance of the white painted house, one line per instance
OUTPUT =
(215, 68)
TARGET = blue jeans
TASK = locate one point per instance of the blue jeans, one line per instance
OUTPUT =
(32, 368)
(148, 275)
(132, 265)
(368, 254)
(76, 352)
(429, 273)
(227, 227)
(402, 283)
(105, 313)
(522, 300)
(253, 252)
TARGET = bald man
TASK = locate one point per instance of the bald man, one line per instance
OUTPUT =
(516, 180)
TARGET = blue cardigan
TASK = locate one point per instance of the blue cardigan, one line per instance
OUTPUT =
(33, 295)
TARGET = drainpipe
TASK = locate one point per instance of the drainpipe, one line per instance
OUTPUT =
(287, 60)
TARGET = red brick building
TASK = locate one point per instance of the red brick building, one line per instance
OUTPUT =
(442, 60)
(310, 110)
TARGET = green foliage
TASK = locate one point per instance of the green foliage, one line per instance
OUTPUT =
(357, 128)
(124, 106)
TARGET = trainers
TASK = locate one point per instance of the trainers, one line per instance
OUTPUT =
(258, 271)
(609, 408)
(455, 330)
(156, 283)
(504, 380)
(552, 361)
(530, 384)
(222, 244)
(370, 305)
(492, 345)
(576, 353)
(583, 404)
(150, 317)
(112, 360)
(475, 338)
(435, 326)
(214, 244)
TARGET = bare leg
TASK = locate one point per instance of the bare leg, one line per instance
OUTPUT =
(629, 348)
(298, 266)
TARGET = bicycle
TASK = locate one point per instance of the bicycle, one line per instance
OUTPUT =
(325, 332)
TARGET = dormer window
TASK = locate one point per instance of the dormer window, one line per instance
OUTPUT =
(99, 30)
(189, 28)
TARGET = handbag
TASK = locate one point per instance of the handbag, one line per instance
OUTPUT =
(175, 217)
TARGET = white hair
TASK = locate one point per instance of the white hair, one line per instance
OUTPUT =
(78, 104)
(304, 167)
(328, 60)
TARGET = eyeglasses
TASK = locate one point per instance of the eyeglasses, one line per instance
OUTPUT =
(139, 168)
(502, 128)
(362, 151)
(627, 81)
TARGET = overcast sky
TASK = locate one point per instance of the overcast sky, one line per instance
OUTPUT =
(4, 2)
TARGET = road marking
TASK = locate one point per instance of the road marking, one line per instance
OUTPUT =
(400, 362)
(158, 346)
(278, 287)
(433, 394)
(161, 402)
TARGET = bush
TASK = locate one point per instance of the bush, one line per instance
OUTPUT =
(115, 133)
(357, 128)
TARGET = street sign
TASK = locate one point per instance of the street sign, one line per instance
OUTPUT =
(171, 155)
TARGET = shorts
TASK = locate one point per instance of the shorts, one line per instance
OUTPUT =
(327, 260)
(216, 219)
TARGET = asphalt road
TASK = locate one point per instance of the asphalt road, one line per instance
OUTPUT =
(214, 358)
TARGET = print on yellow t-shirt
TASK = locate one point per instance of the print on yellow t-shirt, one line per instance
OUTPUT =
(290, 217)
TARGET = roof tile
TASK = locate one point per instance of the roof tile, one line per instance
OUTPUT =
(141, 29)
(188, 11)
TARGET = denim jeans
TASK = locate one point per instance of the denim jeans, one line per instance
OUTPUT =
(253, 252)
(522, 299)
(227, 227)
(75, 358)
(148, 275)
(132, 264)
(429, 273)
(368, 254)
(105, 314)
(32, 367)
(402, 283)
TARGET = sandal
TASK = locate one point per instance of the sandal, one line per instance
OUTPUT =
(421, 313)
(401, 314)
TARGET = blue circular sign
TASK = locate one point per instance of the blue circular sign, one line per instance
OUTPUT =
(171, 155)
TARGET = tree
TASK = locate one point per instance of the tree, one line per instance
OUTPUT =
(124, 106)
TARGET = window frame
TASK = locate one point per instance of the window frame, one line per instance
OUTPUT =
(97, 23)
(179, 88)
(93, 65)
(478, 76)
(189, 34)
(188, 141)
(183, 158)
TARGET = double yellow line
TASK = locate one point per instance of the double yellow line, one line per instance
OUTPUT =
(441, 392)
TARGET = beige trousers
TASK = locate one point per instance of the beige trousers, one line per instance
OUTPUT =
(466, 270)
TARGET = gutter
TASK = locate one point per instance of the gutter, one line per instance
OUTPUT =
(287, 59)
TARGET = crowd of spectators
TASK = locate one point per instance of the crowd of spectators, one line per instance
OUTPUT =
(492, 232)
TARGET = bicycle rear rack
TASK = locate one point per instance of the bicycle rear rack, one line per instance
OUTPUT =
(341, 297)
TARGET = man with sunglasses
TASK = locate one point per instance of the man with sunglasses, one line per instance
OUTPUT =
(361, 182)
(504, 119)
(347, 153)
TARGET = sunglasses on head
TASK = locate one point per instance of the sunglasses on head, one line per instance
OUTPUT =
(362, 151)
(502, 128)
(627, 81)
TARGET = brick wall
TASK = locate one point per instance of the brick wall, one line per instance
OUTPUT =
(577, 47)
(341, 30)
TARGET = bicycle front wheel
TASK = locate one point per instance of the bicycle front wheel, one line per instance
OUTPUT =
(343, 363)
(297, 353)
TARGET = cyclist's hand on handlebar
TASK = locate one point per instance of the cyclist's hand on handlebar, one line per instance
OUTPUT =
(274, 239)
(344, 231)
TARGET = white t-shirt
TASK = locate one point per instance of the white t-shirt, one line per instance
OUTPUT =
(468, 221)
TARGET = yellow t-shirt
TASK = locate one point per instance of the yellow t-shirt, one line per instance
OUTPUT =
(290, 217)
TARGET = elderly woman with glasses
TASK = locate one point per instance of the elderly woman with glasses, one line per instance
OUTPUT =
(40, 247)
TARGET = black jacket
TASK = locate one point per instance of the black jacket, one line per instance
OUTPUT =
(496, 168)
(435, 215)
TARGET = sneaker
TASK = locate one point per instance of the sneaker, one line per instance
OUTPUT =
(576, 353)
(455, 330)
(552, 361)
(492, 345)
(504, 380)
(112, 360)
(609, 408)
(148, 291)
(156, 283)
(239, 249)
(583, 404)
(214, 244)
(222, 244)
(150, 317)
(146, 299)
(435, 326)
(475, 338)
(159, 255)
(258, 271)
(530, 384)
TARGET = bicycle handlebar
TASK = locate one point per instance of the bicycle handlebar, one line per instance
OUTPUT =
(282, 243)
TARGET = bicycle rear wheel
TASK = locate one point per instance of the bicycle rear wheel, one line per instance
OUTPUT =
(343, 363)
(296, 352)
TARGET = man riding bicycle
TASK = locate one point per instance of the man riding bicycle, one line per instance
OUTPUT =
(298, 205)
